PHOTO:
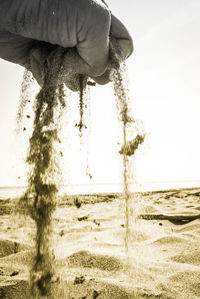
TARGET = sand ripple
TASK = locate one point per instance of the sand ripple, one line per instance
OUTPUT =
(164, 261)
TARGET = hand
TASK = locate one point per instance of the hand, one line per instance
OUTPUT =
(31, 29)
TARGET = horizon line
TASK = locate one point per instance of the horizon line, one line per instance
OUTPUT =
(111, 183)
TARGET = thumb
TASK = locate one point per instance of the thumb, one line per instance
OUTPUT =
(122, 36)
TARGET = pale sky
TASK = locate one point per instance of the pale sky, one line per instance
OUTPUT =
(164, 73)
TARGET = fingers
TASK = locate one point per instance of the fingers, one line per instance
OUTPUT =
(51, 21)
(84, 24)
(23, 51)
(121, 34)
(15, 49)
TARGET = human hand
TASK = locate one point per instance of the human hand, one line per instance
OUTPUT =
(30, 30)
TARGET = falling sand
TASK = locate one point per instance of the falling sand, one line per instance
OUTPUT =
(41, 194)
(118, 75)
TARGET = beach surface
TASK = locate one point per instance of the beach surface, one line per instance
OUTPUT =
(88, 242)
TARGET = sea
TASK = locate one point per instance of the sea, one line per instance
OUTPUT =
(72, 189)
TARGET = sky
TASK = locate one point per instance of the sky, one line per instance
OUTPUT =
(164, 73)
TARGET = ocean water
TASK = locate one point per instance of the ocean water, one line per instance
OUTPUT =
(12, 192)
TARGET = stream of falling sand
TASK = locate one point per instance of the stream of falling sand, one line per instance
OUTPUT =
(122, 105)
(24, 98)
(41, 193)
(118, 76)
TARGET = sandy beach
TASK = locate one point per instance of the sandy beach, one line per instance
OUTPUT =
(90, 256)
